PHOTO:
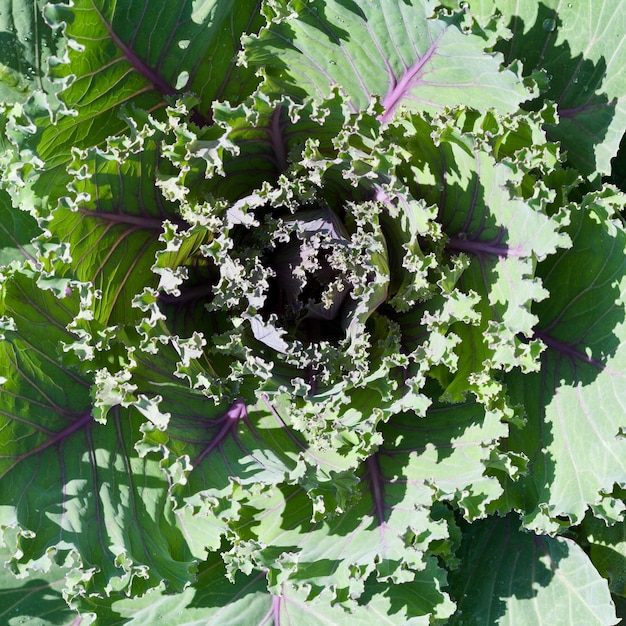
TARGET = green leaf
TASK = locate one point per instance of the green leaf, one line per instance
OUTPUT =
(114, 60)
(27, 44)
(37, 600)
(577, 45)
(17, 231)
(448, 451)
(574, 404)
(618, 166)
(223, 442)
(283, 322)
(339, 554)
(114, 219)
(403, 53)
(339, 532)
(493, 231)
(508, 576)
(76, 491)
(245, 602)
(134, 65)
(608, 551)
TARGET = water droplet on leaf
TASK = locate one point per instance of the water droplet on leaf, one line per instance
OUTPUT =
(549, 25)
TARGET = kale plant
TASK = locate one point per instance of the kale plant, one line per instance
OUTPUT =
(312, 312)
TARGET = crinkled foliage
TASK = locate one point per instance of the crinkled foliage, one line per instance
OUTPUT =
(312, 312)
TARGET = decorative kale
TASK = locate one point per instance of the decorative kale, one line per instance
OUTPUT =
(312, 312)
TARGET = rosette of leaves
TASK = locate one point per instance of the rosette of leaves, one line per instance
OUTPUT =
(314, 344)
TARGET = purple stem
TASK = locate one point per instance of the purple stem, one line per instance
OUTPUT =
(148, 223)
(399, 89)
(568, 350)
(277, 139)
(375, 480)
(569, 113)
(236, 411)
(483, 247)
(57, 438)
(152, 75)
(273, 615)
(276, 609)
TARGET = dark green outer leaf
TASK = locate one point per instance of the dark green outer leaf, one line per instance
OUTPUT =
(143, 45)
(510, 577)
(608, 551)
(618, 167)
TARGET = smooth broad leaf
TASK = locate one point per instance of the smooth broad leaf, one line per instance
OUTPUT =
(574, 405)
(75, 490)
(580, 46)
(400, 52)
(140, 51)
(511, 577)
